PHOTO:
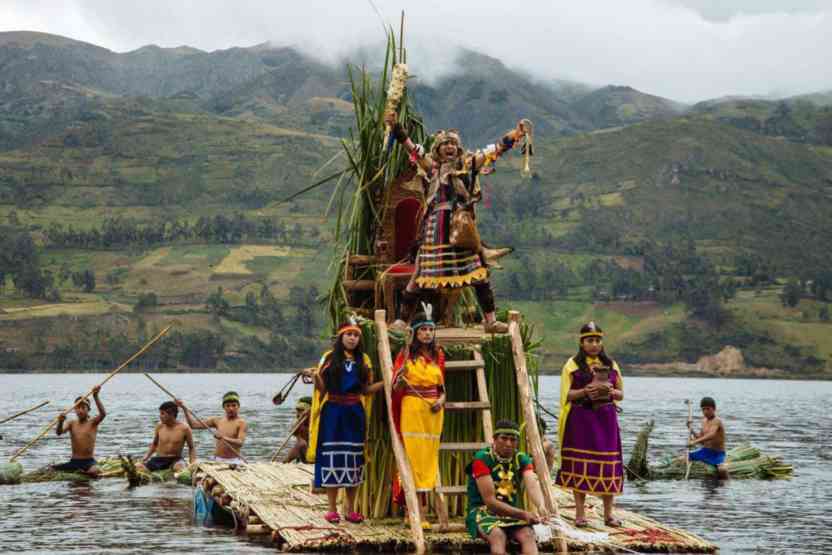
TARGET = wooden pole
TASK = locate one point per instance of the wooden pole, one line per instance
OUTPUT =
(303, 418)
(405, 474)
(21, 413)
(112, 374)
(201, 423)
(533, 439)
(687, 439)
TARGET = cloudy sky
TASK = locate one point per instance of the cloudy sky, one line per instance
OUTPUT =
(687, 50)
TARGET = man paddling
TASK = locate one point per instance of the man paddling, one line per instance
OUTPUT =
(298, 451)
(712, 438)
(169, 441)
(231, 429)
(82, 433)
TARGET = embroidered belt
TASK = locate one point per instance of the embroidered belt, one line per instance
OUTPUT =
(344, 399)
(428, 392)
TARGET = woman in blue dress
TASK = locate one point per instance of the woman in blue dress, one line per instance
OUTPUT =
(343, 389)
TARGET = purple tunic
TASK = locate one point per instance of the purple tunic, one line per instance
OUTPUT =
(591, 454)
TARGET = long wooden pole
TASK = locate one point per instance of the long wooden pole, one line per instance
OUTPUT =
(532, 432)
(303, 418)
(21, 413)
(110, 376)
(687, 439)
(405, 474)
(198, 419)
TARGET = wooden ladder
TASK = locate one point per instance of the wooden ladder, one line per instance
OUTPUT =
(483, 404)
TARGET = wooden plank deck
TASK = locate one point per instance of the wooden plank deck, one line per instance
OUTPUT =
(276, 499)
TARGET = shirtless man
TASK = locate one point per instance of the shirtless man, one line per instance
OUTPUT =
(231, 429)
(712, 438)
(298, 451)
(82, 433)
(168, 442)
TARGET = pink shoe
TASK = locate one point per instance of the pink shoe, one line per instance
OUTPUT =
(332, 517)
(355, 518)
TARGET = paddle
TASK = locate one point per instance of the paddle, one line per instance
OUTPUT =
(85, 397)
(303, 418)
(687, 439)
(21, 413)
(197, 418)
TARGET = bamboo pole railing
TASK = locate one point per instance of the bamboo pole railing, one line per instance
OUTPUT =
(21, 413)
(198, 419)
(533, 440)
(110, 376)
(385, 357)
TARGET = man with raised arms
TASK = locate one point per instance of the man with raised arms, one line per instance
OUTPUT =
(82, 433)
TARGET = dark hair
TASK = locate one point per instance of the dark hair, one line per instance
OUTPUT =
(707, 402)
(170, 407)
(580, 357)
(83, 402)
(334, 364)
(305, 400)
(416, 345)
(231, 397)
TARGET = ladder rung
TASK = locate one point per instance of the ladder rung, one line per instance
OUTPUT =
(475, 446)
(458, 365)
(452, 490)
(468, 405)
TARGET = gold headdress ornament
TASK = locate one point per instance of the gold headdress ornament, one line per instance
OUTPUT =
(446, 136)
(591, 330)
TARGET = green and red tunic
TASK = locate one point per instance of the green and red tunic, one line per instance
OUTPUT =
(508, 484)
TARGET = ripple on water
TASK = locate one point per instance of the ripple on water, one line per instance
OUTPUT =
(743, 517)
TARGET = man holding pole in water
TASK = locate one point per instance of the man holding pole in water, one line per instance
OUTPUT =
(82, 433)
(298, 451)
(231, 429)
(168, 442)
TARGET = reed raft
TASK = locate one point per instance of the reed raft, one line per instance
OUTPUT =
(741, 462)
(111, 467)
(273, 502)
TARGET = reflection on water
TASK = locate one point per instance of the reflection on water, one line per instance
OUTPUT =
(785, 418)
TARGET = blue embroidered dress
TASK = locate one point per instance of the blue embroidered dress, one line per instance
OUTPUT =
(339, 458)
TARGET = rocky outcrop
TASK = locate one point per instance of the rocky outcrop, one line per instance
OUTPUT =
(728, 361)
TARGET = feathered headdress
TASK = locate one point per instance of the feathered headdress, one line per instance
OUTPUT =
(427, 320)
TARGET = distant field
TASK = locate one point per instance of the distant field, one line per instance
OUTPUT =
(57, 309)
(238, 259)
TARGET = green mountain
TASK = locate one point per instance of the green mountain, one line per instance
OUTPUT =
(159, 172)
(613, 106)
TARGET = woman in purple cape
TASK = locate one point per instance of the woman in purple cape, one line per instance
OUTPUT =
(590, 440)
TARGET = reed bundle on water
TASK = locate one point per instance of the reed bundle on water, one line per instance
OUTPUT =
(741, 462)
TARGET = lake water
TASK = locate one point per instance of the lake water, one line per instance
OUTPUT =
(786, 418)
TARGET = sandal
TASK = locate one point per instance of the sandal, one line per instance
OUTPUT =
(581, 522)
(355, 518)
(332, 517)
(612, 522)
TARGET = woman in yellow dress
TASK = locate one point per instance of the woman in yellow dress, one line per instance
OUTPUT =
(418, 403)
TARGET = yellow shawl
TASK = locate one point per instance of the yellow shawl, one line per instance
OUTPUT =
(566, 384)
(318, 403)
